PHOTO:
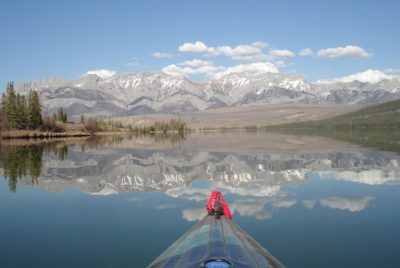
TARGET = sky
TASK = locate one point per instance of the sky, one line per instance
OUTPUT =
(322, 40)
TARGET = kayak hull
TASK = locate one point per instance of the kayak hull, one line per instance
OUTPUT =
(215, 241)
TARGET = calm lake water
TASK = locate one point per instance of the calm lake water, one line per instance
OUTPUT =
(120, 202)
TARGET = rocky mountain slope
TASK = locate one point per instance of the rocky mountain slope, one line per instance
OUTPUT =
(146, 93)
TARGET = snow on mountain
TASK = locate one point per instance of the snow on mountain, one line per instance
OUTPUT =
(106, 93)
(102, 73)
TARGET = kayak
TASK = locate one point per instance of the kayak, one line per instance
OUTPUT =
(216, 242)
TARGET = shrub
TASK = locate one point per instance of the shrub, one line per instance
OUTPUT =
(92, 125)
(49, 124)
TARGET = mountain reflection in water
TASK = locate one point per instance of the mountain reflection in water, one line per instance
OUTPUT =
(253, 169)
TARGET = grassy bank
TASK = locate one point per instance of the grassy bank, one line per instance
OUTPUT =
(38, 134)
(378, 117)
(92, 128)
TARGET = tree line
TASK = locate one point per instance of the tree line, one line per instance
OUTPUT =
(18, 111)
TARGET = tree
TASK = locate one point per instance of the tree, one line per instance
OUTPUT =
(3, 118)
(92, 125)
(61, 115)
(4, 125)
(82, 119)
(3, 100)
(34, 110)
(10, 108)
(21, 112)
(65, 117)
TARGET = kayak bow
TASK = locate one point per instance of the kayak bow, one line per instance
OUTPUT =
(216, 242)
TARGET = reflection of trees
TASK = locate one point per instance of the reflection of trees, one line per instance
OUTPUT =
(20, 162)
(177, 138)
(96, 142)
(59, 149)
(25, 161)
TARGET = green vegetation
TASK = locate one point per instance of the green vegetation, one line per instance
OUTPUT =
(382, 116)
(61, 115)
(376, 127)
(173, 125)
(93, 125)
(388, 140)
(18, 113)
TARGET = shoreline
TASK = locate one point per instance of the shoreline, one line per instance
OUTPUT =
(37, 134)
(43, 135)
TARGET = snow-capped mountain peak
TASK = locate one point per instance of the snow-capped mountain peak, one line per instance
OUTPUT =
(106, 93)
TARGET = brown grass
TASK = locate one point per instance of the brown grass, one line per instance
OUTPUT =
(240, 117)
(38, 134)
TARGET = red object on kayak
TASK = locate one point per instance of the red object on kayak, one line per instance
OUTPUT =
(217, 205)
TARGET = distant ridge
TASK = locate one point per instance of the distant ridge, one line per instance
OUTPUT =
(123, 94)
(384, 115)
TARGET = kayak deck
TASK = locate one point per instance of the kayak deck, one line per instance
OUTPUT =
(215, 242)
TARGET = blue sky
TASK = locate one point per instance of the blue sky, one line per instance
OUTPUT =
(69, 38)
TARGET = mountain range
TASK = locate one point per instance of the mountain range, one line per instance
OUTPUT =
(124, 94)
(112, 170)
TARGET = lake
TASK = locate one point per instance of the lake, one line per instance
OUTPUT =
(121, 201)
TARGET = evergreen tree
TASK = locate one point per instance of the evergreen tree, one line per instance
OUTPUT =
(3, 120)
(10, 108)
(34, 110)
(62, 115)
(24, 112)
(3, 101)
(21, 113)
(65, 117)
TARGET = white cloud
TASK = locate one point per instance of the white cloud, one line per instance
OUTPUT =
(162, 55)
(196, 63)
(260, 44)
(264, 215)
(197, 47)
(194, 214)
(186, 71)
(259, 62)
(238, 50)
(370, 177)
(250, 69)
(241, 52)
(350, 204)
(219, 71)
(344, 52)
(369, 76)
(284, 203)
(282, 53)
(251, 208)
(306, 52)
(102, 73)
(392, 71)
(309, 203)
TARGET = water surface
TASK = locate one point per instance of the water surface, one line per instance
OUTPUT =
(119, 202)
